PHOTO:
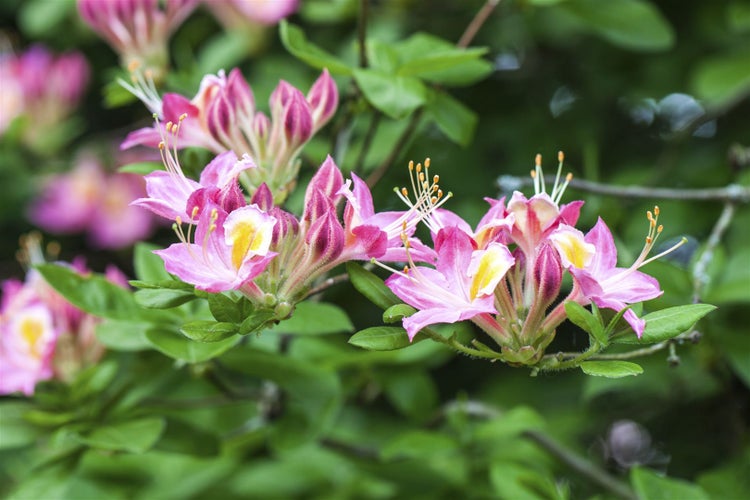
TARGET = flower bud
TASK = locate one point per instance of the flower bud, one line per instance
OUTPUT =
(323, 98)
(317, 206)
(261, 125)
(286, 228)
(324, 239)
(262, 197)
(240, 95)
(297, 121)
(548, 273)
(221, 119)
(328, 180)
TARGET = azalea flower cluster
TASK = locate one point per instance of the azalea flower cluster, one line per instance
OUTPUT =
(505, 275)
(90, 199)
(223, 117)
(139, 30)
(42, 335)
(253, 246)
(41, 86)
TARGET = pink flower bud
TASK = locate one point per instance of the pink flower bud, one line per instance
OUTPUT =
(262, 197)
(280, 96)
(240, 95)
(261, 125)
(548, 273)
(316, 206)
(286, 228)
(221, 119)
(324, 239)
(328, 180)
(323, 98)
(297, 121)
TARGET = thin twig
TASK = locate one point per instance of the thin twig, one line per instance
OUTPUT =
(700, 276)
(339, 278)
(732, 193)
(364, 7)
(479, 19)
(581, 466)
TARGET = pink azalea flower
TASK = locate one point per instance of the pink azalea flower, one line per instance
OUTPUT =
(461, 286)
(138, 30)
(168, 192)
(43, 86)
(223, 117)
(240, 13)
(592, 261)
(231, 250)
(88, 199)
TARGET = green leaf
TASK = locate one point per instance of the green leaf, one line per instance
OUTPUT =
(520, 482)
(454, 119)
(507, 425)
(178, 347)
(586, 321)
(649, 485)
(149, 266)
(141, 168)
(208, 331)
(440, 61)
(381, 338)
(721, 80)
(313, 394)
(135, 436)
(296, 43)
(667, 323)
(224, 308)
(316, 318)
(95, 294)
(16, 430)
(123, 335)
(224, 50)
(611, 369)
(420, 444)
(371, 286)
(398, 312)
(412, 391)
(396, 96)
(256, 321)
(631, 24)
(38, 18)
(94, 379)
(152, 298)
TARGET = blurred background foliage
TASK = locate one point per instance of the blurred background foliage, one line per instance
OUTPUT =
(646, 93)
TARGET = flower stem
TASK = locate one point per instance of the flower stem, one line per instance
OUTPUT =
(700, 276)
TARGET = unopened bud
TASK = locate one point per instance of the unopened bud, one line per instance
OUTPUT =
(324, 240)
(327, 179)
(323, 98)
(548, 273)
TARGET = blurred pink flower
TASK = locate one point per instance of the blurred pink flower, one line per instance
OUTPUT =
(42, 86)
(138, 30)
(42, 335)
(241, 13)
(88, 199)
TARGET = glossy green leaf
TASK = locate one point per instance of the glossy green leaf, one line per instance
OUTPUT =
(257, 321)
(208, 331)
(396, 96)
(16, 430)
(631, 24)
(313, 393)
(586, 321)
(299, 46)
(668, 323)
(723, 79)
(224, 308)
(316, 318)
(371, 286)
(152, 298)
(381, 338)
(651, 486)
(398, 312)
(135, 436)
(454, 119)
(149, 266)
(123, 335)
(611, 369)
(94, 294)
(179, 347)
